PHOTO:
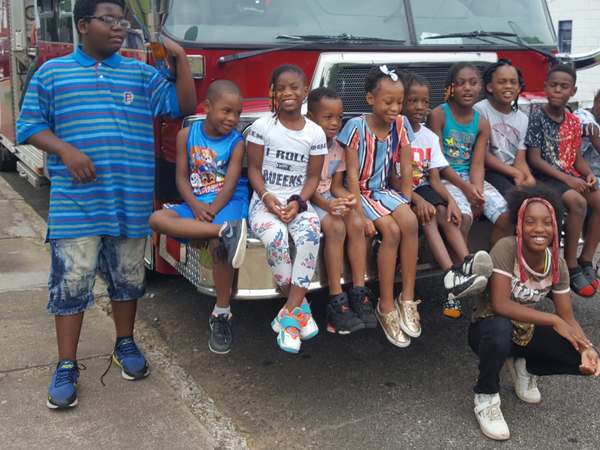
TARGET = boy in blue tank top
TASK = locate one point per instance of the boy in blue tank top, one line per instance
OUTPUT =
(464, 136)
(208, 168)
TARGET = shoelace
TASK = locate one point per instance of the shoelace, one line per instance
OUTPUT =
(532, 382)
(411, 312)
(493, 412)
(467, 265)
(126, 348)
(393, 321)
(365, 302)
(301, 317)
(459, 278)
(220, 325)
(66, 376)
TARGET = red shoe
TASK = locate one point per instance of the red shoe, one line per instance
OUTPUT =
(580, 284)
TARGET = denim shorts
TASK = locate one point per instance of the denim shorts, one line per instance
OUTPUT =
(76, 261)
(494, 203)
(320, 211)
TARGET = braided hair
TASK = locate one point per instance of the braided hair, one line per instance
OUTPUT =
(518, 201)
(452, 74)
(280, 70)
(489, 74)
(414, 79)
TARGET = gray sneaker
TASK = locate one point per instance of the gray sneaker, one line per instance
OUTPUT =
(219, 333)
(233, 239)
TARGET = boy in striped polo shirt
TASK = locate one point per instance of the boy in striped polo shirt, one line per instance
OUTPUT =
(92, 111)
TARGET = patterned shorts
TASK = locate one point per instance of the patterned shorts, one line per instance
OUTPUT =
(75, 262)
(381, 203)
(494, 206)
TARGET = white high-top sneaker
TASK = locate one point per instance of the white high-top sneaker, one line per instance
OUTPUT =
(490, 418)
(525, 383)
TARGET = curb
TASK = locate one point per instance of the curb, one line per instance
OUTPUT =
(198, 402)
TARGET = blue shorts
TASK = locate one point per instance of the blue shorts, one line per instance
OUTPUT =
(76, 261)
(235, 209)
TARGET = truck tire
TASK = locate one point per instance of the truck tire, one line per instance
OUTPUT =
(8, 161)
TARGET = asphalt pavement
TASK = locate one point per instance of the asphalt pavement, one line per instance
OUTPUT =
(357, 391)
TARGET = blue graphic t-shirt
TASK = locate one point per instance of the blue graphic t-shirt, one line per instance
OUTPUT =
(208, 158)
(459, 141)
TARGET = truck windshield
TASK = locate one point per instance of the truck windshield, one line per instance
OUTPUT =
(235, 23)
(528, 19)
(259, 22)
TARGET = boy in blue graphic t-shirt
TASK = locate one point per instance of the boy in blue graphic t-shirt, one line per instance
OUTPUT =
(208, 168)
(92, 112)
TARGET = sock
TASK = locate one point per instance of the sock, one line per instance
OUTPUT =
(217, 311)
(583, 263)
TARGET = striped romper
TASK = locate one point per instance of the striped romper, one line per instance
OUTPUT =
(375, 163)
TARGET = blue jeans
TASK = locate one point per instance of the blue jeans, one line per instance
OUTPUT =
(75, 263)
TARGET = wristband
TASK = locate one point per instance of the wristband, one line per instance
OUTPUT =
(302, 206)
(262, 197)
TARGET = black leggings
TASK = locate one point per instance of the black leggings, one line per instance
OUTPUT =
(548, 353)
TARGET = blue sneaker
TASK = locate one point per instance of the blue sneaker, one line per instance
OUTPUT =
(62, 392)
(128, 357)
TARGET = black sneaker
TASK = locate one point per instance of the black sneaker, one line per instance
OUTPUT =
(460, 285)
(219, 333)
(341, 319)
(233, 239)
(360, 301)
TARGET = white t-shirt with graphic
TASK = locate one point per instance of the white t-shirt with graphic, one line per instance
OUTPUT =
(286, 153)
(508, 131)
(427, 155)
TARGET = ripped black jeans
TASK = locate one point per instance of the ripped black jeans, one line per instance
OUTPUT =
(548, 353)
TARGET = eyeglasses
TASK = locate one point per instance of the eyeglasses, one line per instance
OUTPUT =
(112, 21)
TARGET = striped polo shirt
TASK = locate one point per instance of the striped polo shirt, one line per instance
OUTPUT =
(106, 110)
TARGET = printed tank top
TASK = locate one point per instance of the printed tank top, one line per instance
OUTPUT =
(458, 140)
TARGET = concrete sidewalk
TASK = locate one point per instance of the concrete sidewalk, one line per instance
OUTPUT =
(145, 414)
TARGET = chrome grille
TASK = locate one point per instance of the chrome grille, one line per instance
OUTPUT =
(349, 82)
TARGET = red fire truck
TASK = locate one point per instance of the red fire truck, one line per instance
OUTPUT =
(335, 42)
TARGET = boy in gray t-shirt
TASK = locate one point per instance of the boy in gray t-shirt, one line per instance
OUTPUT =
(505, 162)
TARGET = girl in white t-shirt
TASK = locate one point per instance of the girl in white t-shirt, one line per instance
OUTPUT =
(436, 209)
(285, 157)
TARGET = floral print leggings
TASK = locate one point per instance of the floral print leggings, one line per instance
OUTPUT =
(305, 231)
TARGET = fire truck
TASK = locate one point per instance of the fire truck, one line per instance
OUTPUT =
(334, 42)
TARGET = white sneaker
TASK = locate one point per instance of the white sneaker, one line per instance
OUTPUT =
(460, 285)
(478, 264)
(525, 383)
(490, 418)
